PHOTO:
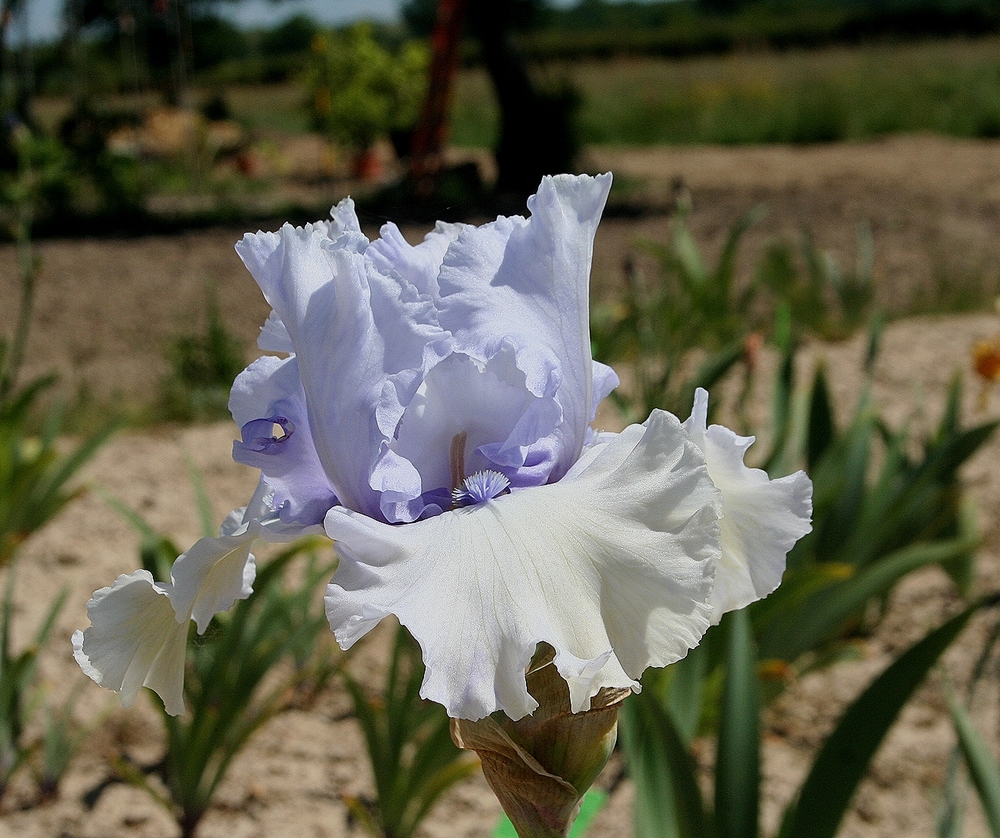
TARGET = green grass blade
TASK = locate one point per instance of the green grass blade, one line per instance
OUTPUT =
(916, 505)
(711, 372)
(206, 516)
(689, 264)
(737, 767)
(874, 345)
(821, 425)
(725, 271)
(822, 616)
(844, 758)
(667, 799)
(962, 568)
(983, 768)
(685, 694)
(82, 453)
(841, 492)
(433, 787)
(45, 629)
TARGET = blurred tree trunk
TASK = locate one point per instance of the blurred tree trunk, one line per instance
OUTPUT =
(536, 134)
(16, 82)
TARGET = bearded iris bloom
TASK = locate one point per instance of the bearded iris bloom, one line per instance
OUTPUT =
(430, 408)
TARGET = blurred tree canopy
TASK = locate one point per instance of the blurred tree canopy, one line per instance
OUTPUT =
(294, 34)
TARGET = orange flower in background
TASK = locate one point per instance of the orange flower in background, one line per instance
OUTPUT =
(986, 359)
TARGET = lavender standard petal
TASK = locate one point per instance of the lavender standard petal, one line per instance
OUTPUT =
(525, 283)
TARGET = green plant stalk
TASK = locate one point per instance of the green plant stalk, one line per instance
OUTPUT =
(17, 675)
(61, 741)
(738, 756)
(869, 531)
(223, 688)
(668, 802)
(950, 820)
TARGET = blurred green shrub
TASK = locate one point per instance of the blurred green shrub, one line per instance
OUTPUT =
(359, 90)
(202, 369)
(689, 325)
(274, 651)
(35, 470)
(885, 504)
(657, 325)
(48, 752)
(47, 179)
(264, 656)
(293, 35)
(657, 744)
(973, 750)
(103, 182)
(36, 475)
(948, 87)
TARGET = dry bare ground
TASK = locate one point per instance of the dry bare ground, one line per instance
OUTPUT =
(106, 311)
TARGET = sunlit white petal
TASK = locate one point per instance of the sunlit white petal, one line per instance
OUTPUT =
(210, 576)
(134, 640)
(213, 574)
(762, 518)
(613, 568)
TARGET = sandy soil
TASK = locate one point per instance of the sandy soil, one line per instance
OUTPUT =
(107, 310)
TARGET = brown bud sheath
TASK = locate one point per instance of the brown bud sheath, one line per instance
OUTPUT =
(540, 766)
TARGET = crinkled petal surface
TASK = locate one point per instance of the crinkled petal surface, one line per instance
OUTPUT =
(501, 420)
(139, 628)
(362, 339)
(418, 264)
(612, 567)
(762, 518)
(208, 578)
(135, 640)
(525, 283)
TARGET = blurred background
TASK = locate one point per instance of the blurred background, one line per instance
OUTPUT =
(805, 219)
(243, 108)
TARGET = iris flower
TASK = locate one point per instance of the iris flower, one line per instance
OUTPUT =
(430, 408)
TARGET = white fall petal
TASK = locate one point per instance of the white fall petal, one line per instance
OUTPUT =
(612, 566)
(762, 518)
(134, 641)
(139, 628)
